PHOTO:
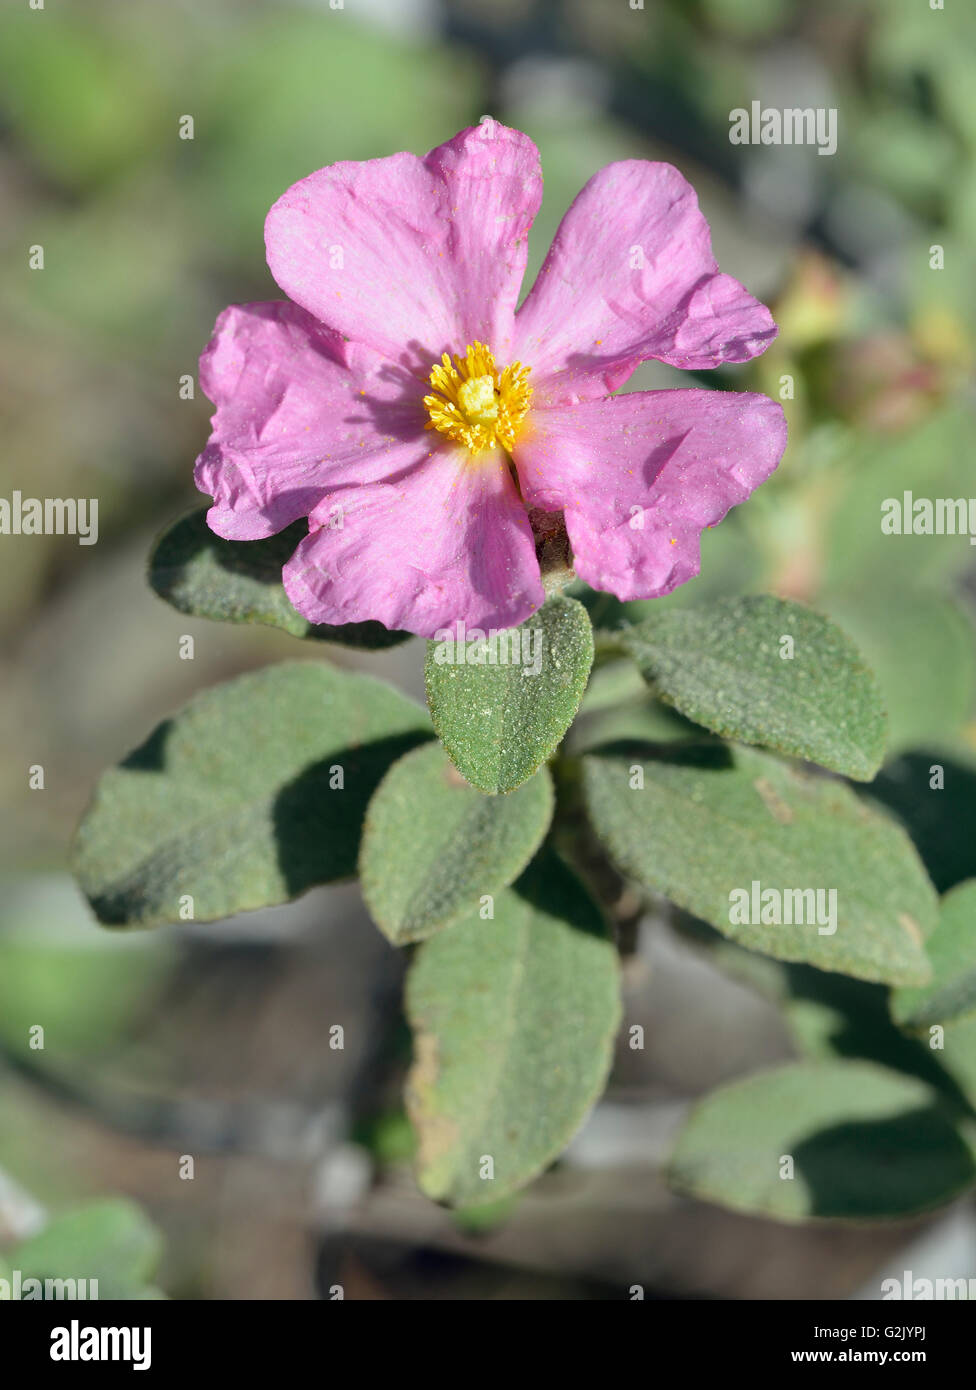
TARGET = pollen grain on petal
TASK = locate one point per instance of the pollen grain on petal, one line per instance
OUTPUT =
(471, 401)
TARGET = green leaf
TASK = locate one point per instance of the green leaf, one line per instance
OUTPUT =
(433, 847)
(240, 582)
(111, 1241)
(252, 794)
(502, 710)
(723, 666)
(710, 821)
(865, 1142)
(513, 1023)
(951, 994)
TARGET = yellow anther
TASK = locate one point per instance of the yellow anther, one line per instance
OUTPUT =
(476, 404)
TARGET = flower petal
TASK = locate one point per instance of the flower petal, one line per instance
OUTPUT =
(640, 477)
(447, 541)
(407, 254)
(631, 275)
(298, 410)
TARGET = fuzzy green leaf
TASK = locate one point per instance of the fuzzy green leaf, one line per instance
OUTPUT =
(240, 582)
(513, 1022)
(709, 821)
(500, 719)
(252, 794)
(433, 846)
(865, 1143)
(951, 994)
(728, 668)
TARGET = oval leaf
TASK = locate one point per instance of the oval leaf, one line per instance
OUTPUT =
(501, 703)
(714, 828)
(513, 1022)
(433, 847)
(865, 1143)
(729, 668)
(206, 576)
(951, 994)
(252, 794)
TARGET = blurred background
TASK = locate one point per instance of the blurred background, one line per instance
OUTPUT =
(213, 1041)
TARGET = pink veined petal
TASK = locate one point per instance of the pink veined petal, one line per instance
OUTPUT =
(298, 411)
(631, 275)
(447, 541)
(413, 257)
(640, 477)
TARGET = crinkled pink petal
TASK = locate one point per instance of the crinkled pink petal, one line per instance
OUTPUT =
(298, 410)
(640, 477)
(630, 276)
(413, 257)
(447, 541)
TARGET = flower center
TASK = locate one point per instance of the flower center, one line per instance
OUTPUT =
(475, 403)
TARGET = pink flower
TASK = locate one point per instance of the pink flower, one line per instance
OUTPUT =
(398, 401)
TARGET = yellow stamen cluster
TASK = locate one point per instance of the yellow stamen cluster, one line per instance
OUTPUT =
(475, 403)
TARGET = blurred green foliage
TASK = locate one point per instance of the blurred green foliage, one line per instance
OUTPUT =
(109, 1241)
